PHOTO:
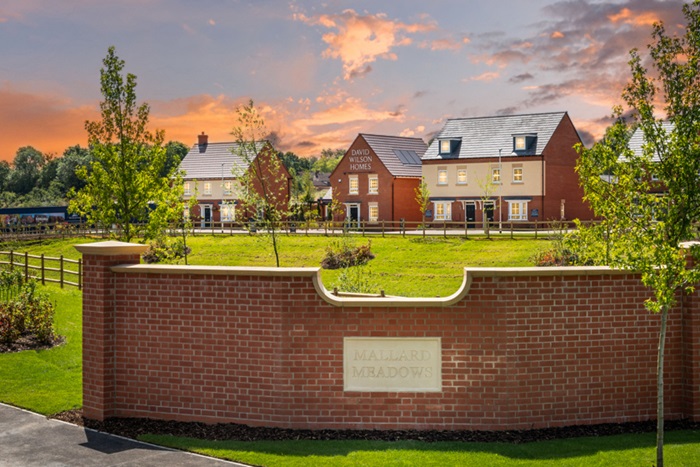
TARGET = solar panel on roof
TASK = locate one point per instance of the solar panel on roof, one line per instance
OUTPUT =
(407, 157)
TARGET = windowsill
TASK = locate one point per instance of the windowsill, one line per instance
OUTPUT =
(462, 184)
(375, 193)
(517, 183)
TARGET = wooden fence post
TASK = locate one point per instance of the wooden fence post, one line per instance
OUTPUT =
(43, 271)
(61, 268)
(26, 266)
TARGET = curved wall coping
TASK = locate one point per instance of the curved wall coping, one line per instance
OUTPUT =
(389, 301)
(111, 248)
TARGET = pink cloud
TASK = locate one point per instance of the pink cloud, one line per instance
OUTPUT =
(486, 76)
(360, 40)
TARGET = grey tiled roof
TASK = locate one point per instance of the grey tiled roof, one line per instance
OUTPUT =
(205, 162)
(637, 139)
(396, 153)
(484, 136)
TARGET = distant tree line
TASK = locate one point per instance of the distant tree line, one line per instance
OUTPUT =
(37, 179)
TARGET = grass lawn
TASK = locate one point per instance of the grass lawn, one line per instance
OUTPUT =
(681, 449)
(408, 266)
(49, 381)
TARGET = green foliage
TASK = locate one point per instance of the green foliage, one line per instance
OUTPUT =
(648, 200)
(26, 168)
(329, 160)
(357, 280)
(124, 177)
(48, 381)
(423, 199)
(341, 254)
(264, 180)
(164, 250)
(24, 310)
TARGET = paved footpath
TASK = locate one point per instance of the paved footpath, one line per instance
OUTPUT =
(28, 439)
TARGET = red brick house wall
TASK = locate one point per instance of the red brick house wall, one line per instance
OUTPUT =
(521, 348)
(395, 197)
(561, 179)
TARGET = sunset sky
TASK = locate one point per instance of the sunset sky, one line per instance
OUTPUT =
(320, 71)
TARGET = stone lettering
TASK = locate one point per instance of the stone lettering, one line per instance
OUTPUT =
(393, 364)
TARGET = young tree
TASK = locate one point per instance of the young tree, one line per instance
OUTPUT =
(124, 178)
(642, 230)
(423, 199)
(488, 188)
(264, 180)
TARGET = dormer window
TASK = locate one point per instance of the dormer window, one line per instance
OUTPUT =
(445, 146)
(448, 146)
(525, 144)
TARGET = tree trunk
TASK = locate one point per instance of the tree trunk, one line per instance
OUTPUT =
(660, 390)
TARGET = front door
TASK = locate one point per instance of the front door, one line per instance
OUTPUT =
(470, 214)
(206, 215)
(354, 215)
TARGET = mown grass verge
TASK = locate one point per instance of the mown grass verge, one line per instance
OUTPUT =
(682, 449)
(48, 381)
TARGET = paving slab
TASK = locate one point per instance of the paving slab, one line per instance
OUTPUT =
(28, 439)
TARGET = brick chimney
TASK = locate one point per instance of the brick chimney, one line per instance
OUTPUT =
(202, 141)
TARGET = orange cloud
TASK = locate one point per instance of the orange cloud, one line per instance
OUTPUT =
(46, 122)
(626, 16)
(361, 39)
(557, 35)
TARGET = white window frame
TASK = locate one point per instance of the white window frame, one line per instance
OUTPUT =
(372, 216)
(228, 212)
(496, 175)
(442, 176)
(517, 210)
(373, 188)
(207, 188)
(520, 143)
(353, 185)
(445, 146)
(187, 190)
(227, 188)
(517, 175)
(443, 210)
(461, 175)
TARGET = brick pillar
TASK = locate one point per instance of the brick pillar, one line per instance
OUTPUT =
(98, 322)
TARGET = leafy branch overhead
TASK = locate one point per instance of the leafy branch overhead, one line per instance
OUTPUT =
(127, 177)
(642, 178)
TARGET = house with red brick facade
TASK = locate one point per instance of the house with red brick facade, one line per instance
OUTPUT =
(375, 181)
(213, 171)
(512, 168)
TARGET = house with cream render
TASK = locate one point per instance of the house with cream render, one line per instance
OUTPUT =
(212, 173)
(511, 168)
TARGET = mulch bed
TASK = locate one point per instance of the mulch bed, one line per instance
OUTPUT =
(134, 427)
(30, 342)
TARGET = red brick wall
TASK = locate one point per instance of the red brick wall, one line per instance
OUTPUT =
(561, 179)
(520, 349)
(395, 197)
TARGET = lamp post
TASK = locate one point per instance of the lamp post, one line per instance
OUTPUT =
(500, 190)
(221, 205)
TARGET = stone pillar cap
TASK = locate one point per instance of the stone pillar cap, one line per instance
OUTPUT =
(111, 248)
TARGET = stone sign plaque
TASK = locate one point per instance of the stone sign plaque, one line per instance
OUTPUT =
(401, 364)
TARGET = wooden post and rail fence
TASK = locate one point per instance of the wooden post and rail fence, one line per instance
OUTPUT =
(62, 271)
